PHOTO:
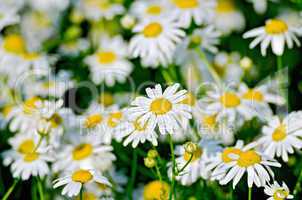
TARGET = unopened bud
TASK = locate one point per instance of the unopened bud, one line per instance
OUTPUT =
(44, 127)
(128, 21)
(152, 153)
(149, 162)
(246, 63)
(190, 147)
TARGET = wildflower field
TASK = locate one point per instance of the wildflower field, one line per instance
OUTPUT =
(150, 99)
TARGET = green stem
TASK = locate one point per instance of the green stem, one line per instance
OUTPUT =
(133, 174)
(250, 193)
(10, 190)
(158, 172)
(187, 163)
(172, 191)
(297, 189)
(81, 192)
(39, 143)
(209, 66)
(166, 76)
(40, 189)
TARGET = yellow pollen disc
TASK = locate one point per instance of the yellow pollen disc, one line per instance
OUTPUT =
(138, 126)
(280, 194)
(6, 110)
(156, 190)
(153, 10)
(106, 57)
(225, 6)
(30, 105)
(88, 196)
(27, 146)
(196, 155)
(30, 157)
(82, 151)
(56, 120)
(209, 121)
(93, 120)
(248, 158)
(160, 106)
(186, 4)
(275, 26)
(106, 99)
(104, 5)
(114, 118)
(279, 134)
(48, 84)
(14, 44)
(152, 30)
(226, 154)
(189, 100)
(253, 95)
(230, 100)
(82, 176)
(30, 56)
(102, 186)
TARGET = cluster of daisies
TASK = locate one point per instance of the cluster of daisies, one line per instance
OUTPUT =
(197, 111)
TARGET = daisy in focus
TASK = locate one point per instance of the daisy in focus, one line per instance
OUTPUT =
(276, 32)
(109, 64)
(161, 108)
(77, 179)
(184, 11)
(277, 192)
(282, 137)
(155, 41)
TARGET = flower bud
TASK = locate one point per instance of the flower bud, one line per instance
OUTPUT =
(152, 153)
(246, 63)
(149, 162)
(44, 127)
(190, 147)
(128, 21)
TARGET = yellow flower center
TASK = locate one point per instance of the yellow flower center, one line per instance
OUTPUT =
(114, 118)
(88, 196)
(138, 126)
(160, 106)
(56, 120)
(196, 155)
(30, 157)
(248, 158)
(106, 99)
(82, 151)
(152, 30)
(186, 4)
(6, 110)
(14, 44)
(209, 121)
(226, 154)
(27, 146)
(81, 176)
(225, 6)
(93, 120)
(106, 57)
(30, 105)
(156, 190)
(48, 84)
(153, 10)
(104, 5)
(102, 186)
(280, 194)
(189, 100)
(253, 95)
(275, 26)
(230, 100)
(279, 134)
(30, 56)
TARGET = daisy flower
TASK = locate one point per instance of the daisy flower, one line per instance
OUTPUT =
(281, 137)
(154, 190)
(77, 179)
(196, 167)
(227, 105)
(74, 47)
(33, 163)
(277, 192)
(136, 133)
(8, 16)
(260, 97)
(155, 41)
(98, 9)
(184, 11)
(227, 17)
(163, 109)
(275, 32)
(84, 152)
(109, 63)
(148, 9)
(207, 38)
(247, 160)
